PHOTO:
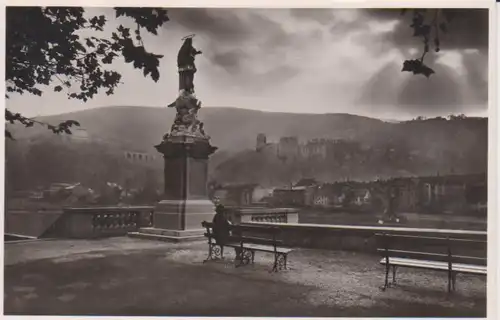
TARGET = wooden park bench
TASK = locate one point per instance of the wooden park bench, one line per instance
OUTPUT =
(451, 254)
(246, 240)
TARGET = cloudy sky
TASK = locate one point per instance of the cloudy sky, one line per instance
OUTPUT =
(303, 60)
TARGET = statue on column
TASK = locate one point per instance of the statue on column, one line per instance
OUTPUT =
(187, 105)
(185, 63)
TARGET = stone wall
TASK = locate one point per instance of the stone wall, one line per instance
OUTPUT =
(98, 222)
(31, 222)
(83, 223)
(354, 238)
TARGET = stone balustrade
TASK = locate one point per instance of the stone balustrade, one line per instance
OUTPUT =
(262, 214)
(276, 218)
(95, 222)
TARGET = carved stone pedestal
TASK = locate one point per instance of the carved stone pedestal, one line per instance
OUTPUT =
(185, 203)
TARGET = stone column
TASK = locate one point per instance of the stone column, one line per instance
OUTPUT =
(185, 202)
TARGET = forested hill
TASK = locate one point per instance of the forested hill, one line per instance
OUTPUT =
(437, 144)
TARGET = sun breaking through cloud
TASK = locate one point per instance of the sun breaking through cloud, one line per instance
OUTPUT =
(304, 60)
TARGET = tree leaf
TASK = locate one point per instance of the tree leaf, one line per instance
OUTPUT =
(89, 43)
(426, 71)
(417, 67)
(57, 88)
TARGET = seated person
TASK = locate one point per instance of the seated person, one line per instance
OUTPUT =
(222, 229)
(221, 226)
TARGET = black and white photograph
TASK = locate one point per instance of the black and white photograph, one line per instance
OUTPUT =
(186, 161)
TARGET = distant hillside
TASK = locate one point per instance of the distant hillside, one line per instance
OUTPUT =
(414, 148)
(231, 129)
(437, 144)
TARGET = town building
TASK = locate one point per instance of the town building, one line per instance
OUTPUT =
(290, 149)
(240, 195)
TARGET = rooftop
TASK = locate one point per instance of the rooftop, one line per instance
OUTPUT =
(124, 276)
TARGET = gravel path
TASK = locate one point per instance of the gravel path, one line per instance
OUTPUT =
(123, 276)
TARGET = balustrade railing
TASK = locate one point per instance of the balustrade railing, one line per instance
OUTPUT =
(103, 221)
(262, 214)
(276, 218)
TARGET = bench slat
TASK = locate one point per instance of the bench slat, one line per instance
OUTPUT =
(256, 247)
(440, 239)
(430, 254)
(436, 265)
(260, 240)
(259, 247)
(407, 252)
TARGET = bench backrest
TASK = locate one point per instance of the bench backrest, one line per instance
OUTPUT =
(265, 235)
(451, 249)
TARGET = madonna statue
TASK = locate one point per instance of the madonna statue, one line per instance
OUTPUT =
(185, 63)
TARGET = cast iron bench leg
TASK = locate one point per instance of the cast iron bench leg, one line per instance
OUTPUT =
(275, 265)
(279, 262)
(453, 280)
(393, 274)
(386, 284)
(213, 252)
(238, 257)
(209, 257)
(449, 281)
(245, 256)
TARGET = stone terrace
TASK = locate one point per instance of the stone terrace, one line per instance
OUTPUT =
(124, 276)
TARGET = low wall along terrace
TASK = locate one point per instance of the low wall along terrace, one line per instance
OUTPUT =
(354, 238)
(32, 223)
(100, 222)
